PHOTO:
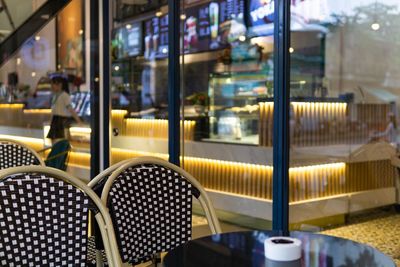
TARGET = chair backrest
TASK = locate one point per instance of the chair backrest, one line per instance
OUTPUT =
(13, 154)
(150, 202)
(58, 156)
(44, 218)
(97, 184)
(99, 180)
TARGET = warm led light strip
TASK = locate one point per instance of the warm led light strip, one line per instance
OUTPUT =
(156, 128)
(37, 111)
(80, 130)
(232, 177)
(119, 154)
(118, 112)
(306, 114)
(324, 106)
(316, 181)
(13, 106)
(152, 128)
(35, 143)
(256, 180)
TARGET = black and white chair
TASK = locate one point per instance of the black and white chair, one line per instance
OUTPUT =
(97, 253)
(150, 202)
(44, 219)
(14, 153)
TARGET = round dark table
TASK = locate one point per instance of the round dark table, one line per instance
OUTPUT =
(247, 249)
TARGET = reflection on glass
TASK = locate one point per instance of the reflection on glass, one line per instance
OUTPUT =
(344, 114)
(226, 78)
(247, 249)
(25, 80)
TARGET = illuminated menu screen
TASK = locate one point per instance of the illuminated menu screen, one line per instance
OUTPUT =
(213, 25)
(127, 41)
(206, 27)
(156, 37)
(197, 29)
(81, 103)
(261, 16)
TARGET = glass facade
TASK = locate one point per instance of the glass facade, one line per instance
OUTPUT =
(226, 92)
(344, 110)
(25, 79)
(344, 117)
(139, 82)
(227, 77)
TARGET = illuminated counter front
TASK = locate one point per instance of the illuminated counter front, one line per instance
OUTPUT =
(15, 115)
(150, 128)
(325, 123)
(326, 179)
(316, 190)
(242, 188)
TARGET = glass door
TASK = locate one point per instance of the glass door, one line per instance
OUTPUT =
(344, 119)
(227, 92)
(139, 80)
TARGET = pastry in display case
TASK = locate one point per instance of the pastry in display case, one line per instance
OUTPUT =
(234, 109)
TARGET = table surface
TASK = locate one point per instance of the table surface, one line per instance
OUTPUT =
(247, 249)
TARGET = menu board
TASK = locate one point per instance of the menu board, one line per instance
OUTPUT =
(163, 46)
(206, 27)
(303, 13)
(127, 41)
(156, 37)
(231, 21)
(197, 29)
(213, 25)
(261, 17)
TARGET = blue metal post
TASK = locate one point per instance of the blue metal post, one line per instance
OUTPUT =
(281, 140)
(173, 81)
(105, 93)
(94, 89)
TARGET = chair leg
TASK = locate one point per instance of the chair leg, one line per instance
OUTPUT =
(157, 259)
(99, 259)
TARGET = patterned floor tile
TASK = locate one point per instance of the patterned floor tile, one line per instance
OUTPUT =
(378, 228)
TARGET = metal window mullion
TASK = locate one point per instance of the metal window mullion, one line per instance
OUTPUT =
(173, 81)
(281, 142)
(94, 89)
(105, 73)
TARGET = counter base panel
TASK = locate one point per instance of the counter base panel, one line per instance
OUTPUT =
(305, 210)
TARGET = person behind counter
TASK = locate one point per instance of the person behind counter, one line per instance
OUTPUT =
(61, 109)
(390, 133)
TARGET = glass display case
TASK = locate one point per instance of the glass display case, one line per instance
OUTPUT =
(234, 108)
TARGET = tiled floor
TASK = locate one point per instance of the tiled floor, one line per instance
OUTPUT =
(378, 228)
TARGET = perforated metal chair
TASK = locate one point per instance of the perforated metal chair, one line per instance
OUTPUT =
(96, 244)
(44, 219)
(150, 202)
(14, 153)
